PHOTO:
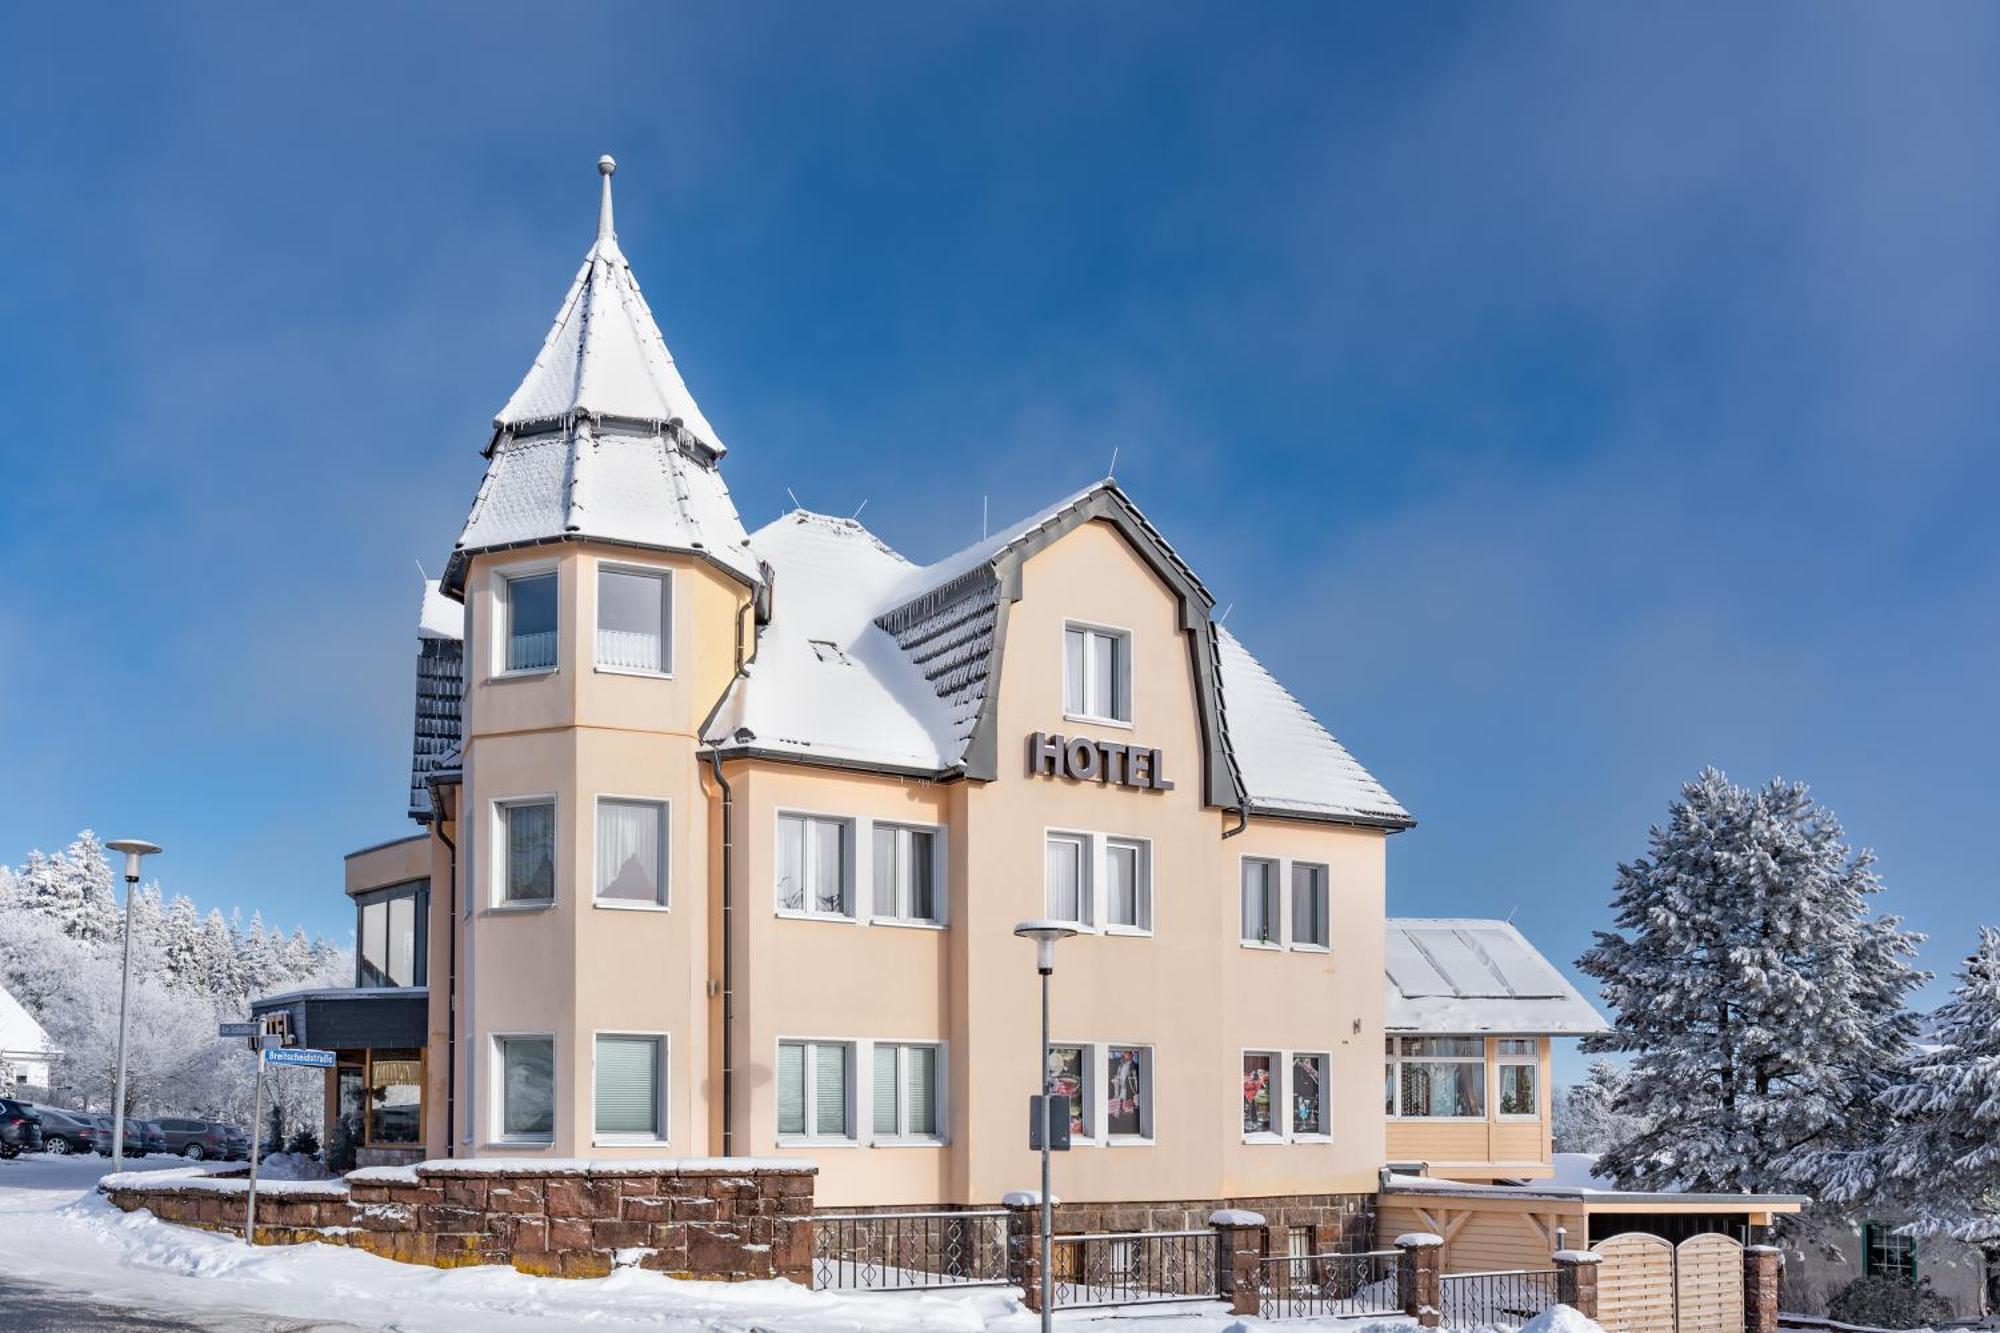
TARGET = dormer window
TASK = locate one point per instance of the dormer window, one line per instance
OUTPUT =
(634, 613)
(826, 650)
(1097, 673)
(529, 612)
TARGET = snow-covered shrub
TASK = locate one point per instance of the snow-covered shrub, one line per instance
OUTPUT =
(1888, 1302)
(304, 1143)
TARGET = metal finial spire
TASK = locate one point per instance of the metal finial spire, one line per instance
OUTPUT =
(606, 165)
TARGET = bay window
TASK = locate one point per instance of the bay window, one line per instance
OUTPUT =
(1128, 1092)
(628, 1085)
(1128, 887)
(906, 1091)
(905, 874)
(813, 1101)
(528, 867)
(634, 613)
(1437, 1077)
(813, 866)
(1067, 858)
(528, 617)
(631, 852)
(527, 1068)
(1310, 1080)
(1097, 673)
(1519, 1069)
(1309, 905)
(1260, 901)
(1260, 1092)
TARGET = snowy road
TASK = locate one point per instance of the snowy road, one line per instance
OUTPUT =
(69, 1260)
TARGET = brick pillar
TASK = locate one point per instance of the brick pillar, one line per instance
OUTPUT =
(1576, 1281)
(1760, 1288)
(1024, 1243)
(1417, 1274)
(1239, 1254)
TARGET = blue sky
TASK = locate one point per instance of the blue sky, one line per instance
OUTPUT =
(1564, 396)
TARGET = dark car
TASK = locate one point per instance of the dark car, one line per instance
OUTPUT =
(20, 1128)
(199, 1139)
(151, 1138)
(67, 1132)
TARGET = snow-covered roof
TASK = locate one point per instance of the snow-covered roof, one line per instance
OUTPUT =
(440, 617)
(1289, 762)
(604, 355)
(1463, 975)
(1594, 1195)
(20, 1034)
(435, 733)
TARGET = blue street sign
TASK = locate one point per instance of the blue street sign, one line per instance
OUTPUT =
(299, 1055)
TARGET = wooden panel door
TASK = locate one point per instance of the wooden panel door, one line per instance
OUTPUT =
(1708, 1285)
(1635, 1284)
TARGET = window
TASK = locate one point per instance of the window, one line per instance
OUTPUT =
(812, 866)
(1888, 1254)
(632, 852)
(1310, 1074)
(906, 1091)
(812, 1090)
(1519, 1067)
(390, 929)
(634, 611)
(527, 1087)
(529, 868)
(629, 1079)
(1097, 673)
(1309, 925)
(1128, 884)
(1128, 1092)
(1260, 1091)
(1437, 1077)
(529, 615)
(395, 1084)
(1066, 1078)
(1260, 901)
(1068, 857)
(905, 874)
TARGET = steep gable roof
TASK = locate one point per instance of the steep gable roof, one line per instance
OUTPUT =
(1461, 975)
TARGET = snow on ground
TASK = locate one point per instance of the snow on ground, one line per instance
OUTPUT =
(56, 1229)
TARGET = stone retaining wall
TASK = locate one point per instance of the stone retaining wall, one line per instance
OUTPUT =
(721, 1219)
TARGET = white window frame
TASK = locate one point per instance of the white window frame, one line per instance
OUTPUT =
(663, 1043)
(503, 580)
(1124, 638)
(1292, 1132)
(499, 1135)
(1086, 920)
(497, 899)
(1325, 894)
(1502, 1061)
(941, 1082)
(669, 591)
(1149, 1081)
(1281, 1106)
(1143, 896)
(666, 890)
(1277, 905)
(1093, 1079)
(940, 883)
(1400, 1058)
(809, 1097)
(849, 866)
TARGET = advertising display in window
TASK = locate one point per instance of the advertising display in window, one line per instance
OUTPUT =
(1442, 1077)
(1066, 1079)
(1519, 1068)
(1309, 1084)
(1128, 1092)
(1259, 1091)
(632, 619)
(812, 866)
(531, 622)
(530, 831)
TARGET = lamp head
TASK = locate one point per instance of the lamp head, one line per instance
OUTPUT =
(134, 848)
(1044, 934)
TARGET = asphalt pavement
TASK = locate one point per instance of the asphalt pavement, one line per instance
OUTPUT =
(30, 1307)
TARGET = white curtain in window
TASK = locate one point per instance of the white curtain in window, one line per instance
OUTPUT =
(631, 620)
(887, 843)
(531, 852)
(528, 1078)
(628, 1085)
(1259, 901)
(1074, 700)
(791, 1088)
(1104, 701)
(920, 1082)
(792, 863)
(830, 1090)
(1065, 878)
(829, 864)
(630, 835)
(531, 622)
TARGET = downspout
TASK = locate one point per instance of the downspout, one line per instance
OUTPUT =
(1242, 822)
(728, 878)
(451, 983)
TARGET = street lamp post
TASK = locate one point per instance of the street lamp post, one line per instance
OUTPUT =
(133, 848)
(1045, 934)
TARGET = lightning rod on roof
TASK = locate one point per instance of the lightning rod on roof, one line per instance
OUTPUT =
(795, 499)
(420, 572)
(1112, 471)
(1225, 613)
(857, 511)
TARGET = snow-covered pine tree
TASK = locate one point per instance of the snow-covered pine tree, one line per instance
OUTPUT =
(1762, 1003)
(180, 946)
(1942, 1158)
(258, 964)
(218, 955)
(1588, 1118)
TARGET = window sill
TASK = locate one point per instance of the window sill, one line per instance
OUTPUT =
(791, 1141)
(1312, 1138)
(1436, 1119)
(1130, 932)
(829, 918)
(613, 905)
(1262, 946)
(525, 673)
(520, 909)
(1264, 1139)
(640, 672)
(1524, 1119)
(910, 1143)
(1311, 948)
(1128, 1141)
(1098, 721)
(906, 925)
(518, 1145)
(616, 1142)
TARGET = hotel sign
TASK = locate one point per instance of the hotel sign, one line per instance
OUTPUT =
(1086, 760)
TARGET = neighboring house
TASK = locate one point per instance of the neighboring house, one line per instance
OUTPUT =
(727, 832)
(25, 1049)
(1873, 1245)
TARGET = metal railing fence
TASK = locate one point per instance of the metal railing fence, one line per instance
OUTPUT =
(919, 1251)
(1472, 1300)
(1309, 1285)
(1132, 1267)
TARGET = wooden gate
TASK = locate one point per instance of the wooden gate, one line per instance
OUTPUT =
(1708, 1284)
(1635, 1284)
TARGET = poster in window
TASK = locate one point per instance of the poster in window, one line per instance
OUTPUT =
(1125, 1111)
(1256, 1094)
(1066, 1080)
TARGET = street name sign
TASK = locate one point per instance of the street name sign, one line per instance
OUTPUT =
(300, 1055)
(241, 1029)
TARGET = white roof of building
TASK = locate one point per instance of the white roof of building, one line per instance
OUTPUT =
(1461, 975)
(440, 618)
(20, 1035)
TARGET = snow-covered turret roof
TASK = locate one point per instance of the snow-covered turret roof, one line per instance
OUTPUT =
(1459, 975)
(20, 1035)
(602, 440)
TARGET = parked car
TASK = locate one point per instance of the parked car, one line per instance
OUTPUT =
(66, 1132)
(150, 1136)
(199, 1139)
(20, 1128)
(103, 1124)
